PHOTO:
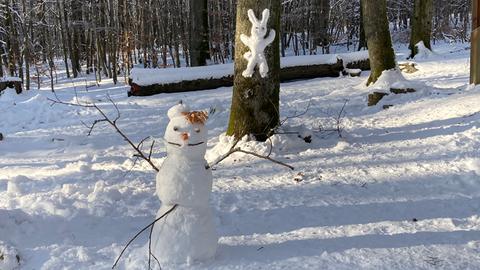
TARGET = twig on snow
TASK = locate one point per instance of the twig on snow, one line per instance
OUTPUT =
(234, 149)
(113, 122)
(140, 232)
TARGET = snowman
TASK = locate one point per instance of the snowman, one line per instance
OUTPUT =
(186, 234)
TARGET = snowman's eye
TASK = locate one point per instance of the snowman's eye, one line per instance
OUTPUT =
(175, 128)
(197, 130)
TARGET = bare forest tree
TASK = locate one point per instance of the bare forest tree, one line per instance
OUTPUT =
(109, 37)
(475, 52)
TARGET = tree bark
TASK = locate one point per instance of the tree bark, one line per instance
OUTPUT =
(255, 101)
(475, 51)
(320, 13)
(362, 43)
(379, 42)
(199, 41)
(421, 25)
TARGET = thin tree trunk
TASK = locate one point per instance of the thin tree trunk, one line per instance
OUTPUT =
(199, 45)
(362, 43)
(475, 52)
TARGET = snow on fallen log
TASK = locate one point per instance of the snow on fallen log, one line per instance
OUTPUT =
(145, 82)
(11, 82)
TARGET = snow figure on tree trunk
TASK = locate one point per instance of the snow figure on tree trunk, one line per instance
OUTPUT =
(187, 233)
(257, 44)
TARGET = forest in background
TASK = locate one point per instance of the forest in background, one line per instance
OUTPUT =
(108, 37)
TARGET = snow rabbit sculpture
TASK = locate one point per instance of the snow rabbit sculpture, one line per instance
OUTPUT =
(257, 44)
(187, 233)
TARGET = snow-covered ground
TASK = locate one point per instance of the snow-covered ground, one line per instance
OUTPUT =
(399, 190)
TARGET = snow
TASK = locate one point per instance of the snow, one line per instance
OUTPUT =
(10, 79)
(143, 76)
(8, 257)
(423, 52)
(257, 44)
(399, 190)
(188, 233)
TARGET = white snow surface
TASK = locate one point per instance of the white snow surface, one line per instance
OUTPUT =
(423, 51)
(399, 190)
(142, 76)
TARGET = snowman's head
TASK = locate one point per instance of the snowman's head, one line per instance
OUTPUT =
(186, 133)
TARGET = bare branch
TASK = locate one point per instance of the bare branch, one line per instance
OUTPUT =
(141, 231)
(234, 149)
(113, 123)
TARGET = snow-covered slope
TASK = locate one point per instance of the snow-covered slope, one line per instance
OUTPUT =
(399, 190)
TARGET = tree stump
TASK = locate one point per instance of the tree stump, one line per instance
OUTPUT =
(375, 97)
(402, 90)
(11, 82)
(408, 67)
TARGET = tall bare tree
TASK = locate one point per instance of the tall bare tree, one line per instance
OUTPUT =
(475, 52)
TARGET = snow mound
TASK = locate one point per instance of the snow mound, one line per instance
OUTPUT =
(16, 185)
(9, 258)
(393, 78)
(422, 52)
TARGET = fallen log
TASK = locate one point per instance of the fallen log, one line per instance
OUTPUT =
(11, 82)
(224, 77)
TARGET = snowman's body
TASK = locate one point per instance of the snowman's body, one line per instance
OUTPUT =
(188, 232)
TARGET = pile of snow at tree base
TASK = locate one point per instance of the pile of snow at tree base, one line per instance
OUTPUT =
(399, 190)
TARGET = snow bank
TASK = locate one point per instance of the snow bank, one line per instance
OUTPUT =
(9, 258)
(143, 77)
(394, 78)
(10, 79)
(423, 52)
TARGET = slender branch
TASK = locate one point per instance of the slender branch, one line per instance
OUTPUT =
(297, 115)
(234, 149)
(141, 231)
(264, 157)
(113, 123)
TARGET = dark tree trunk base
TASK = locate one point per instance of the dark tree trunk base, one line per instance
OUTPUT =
(17, 85)
(375, 97)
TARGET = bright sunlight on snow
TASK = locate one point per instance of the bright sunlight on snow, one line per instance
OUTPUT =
(399, 189)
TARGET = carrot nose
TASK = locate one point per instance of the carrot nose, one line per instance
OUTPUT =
(184, 136)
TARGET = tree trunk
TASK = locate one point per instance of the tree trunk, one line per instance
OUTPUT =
(379, 42)
(320, 13)
(475, 52)
(255, 101)
(26, 45)
(199, 45)
(362, 43)
(421, 25)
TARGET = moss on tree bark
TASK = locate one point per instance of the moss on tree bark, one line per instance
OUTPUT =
(255, 100)
(379, 42)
